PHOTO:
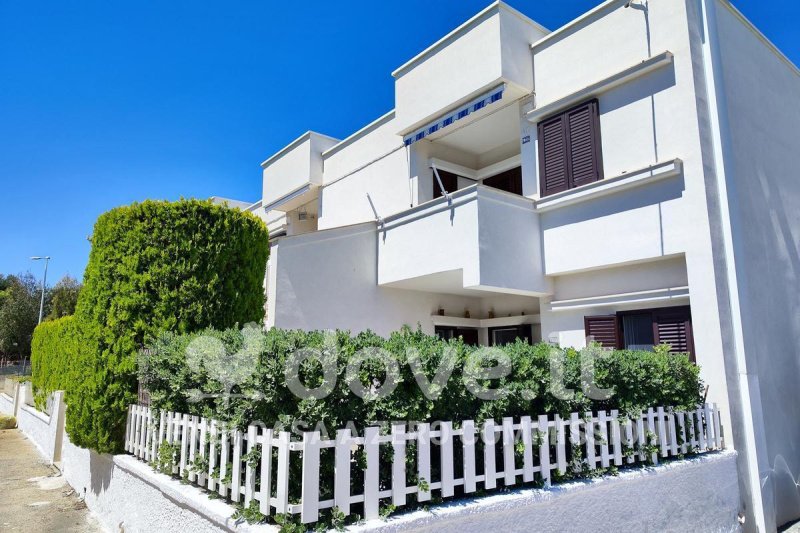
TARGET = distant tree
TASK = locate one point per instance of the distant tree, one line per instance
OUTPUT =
(63, 297)
(19, 314)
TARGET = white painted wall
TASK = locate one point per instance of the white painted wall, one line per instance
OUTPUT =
(375, 162)
(762, 97)
(296, 165)
(490, 237)
(328, 280)
(696, 495)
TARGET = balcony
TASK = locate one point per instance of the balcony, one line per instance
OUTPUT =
(477, 240)
(488, 51)
(293, 175)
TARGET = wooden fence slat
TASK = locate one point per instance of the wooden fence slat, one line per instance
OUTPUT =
(341, 483)
(489, 468)
(701, 430)
(193, 429)
(309, 499)
(682, 432)
(446, 459)
(398, 464)
(651, 430)
(249, 469)
(717, 427)
(202, 450)
(468, 442)
(709, 418)
(629, 442)
(212, 455)
(561, 445)
(509, 465)
(575, 439)
(223, 461)
(282, 492)
(527, 449)
(591, 452)
(662, 432)
(544, 448)
(236, 466)
(371, 485)
(602, 422)
(616, 439)
(128, 427)
(424, 459)
(671, 428)
(641, 436)
(184, 443)
(265, 491)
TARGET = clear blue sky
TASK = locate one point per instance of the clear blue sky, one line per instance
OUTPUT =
(104, 103)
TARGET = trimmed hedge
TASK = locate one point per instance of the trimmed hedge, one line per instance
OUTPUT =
(176, 382)
(156, 266)
(54, 353)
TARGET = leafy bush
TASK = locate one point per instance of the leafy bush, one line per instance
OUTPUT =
(180, 377)
(156, 266)
(54, 353)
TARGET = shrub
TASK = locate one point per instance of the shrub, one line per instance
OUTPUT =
(54, 353)
(177, 382)
(153, 267)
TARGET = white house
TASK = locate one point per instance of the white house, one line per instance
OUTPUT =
(628, 177)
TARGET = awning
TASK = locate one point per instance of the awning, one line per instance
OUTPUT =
(475, 105)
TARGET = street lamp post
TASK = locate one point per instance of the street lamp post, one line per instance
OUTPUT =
(44, 282)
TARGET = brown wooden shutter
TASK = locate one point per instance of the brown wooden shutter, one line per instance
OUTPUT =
(583, 139)
(673, 326)
(603, 329)
(553, 173)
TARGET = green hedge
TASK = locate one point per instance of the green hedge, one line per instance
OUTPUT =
(153, 267)
(54, 353)
(176, 382)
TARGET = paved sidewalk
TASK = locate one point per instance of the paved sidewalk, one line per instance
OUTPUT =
(33, 495)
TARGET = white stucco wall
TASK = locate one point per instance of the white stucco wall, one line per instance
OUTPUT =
(700, 494)
(373, 162)
(6, 404)
(328, 280)
(762, 104)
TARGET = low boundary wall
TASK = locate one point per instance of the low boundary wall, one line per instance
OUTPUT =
(697, 494)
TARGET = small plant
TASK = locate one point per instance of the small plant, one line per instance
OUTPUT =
(289, 523)
(253, 457)
(167, 453)
(423, 486)
(251, 514)
(338, 519)
(386, 511)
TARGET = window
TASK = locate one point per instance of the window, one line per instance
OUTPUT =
(509, 181)
(643, 329)
(501, 336)
(469, 335)
(570, 153)
(449, 181)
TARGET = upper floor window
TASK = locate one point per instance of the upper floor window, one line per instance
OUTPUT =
(570, 153)
(509, 181)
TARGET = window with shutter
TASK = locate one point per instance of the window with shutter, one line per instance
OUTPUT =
(673, 326)
(641, 329)
(603, 329)
(570, 149)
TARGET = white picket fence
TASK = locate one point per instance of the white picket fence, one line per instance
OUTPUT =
(548, 444)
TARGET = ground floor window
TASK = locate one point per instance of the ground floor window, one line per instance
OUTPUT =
(644, 328)
(507, 335)
(469, 335)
